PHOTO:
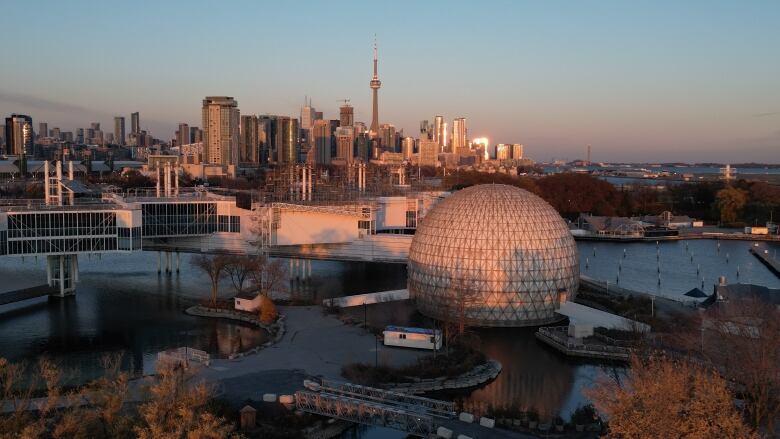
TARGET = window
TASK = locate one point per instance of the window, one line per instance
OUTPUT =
(402, 336)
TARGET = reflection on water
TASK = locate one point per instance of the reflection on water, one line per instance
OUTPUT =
(121, 307)
(533, 376)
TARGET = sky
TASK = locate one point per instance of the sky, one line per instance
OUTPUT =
(650, 81)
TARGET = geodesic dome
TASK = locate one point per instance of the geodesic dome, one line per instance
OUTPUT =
(494, 254)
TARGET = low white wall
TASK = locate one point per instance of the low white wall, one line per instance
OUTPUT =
(585, 315)
(367, 299)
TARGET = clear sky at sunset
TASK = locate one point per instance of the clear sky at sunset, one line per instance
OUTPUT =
(639, 80)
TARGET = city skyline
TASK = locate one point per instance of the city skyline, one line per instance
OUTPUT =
(643, 82)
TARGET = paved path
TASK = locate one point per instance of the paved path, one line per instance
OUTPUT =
(313, 345)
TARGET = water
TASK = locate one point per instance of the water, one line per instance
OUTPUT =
(684, 265)
(123, 306)
(710, 170)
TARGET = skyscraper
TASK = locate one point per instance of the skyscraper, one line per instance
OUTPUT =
(438, 130)
(321, 140)
(459, 135)
(375, 84)
(220, 130)
(387, 137)
(18, 135)
(346, 115)
(43, 129)
(183, 134)
(307, 116)
(503, 151)
(345, 144)
(56, 134)
(135, 122)
(407, 147)
(195, 135)
(266, 135)
(425, 130)
(362, 146)
(249, 146)
(445, 141)
(429, 153)
(286, 141)
(119, 130)
(517, 151)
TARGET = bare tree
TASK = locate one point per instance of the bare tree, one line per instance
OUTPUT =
(266, 275)
(663, 398)
(741, 337)
(215, 267)
(238, 270)
(456, 307)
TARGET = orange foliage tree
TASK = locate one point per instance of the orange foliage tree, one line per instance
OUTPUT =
(663, 398)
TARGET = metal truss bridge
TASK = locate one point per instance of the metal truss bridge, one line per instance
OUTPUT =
(371, 406)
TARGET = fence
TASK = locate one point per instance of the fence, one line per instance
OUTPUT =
(183, 356)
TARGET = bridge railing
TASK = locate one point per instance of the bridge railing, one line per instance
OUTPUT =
(364, 412)
(428, 406)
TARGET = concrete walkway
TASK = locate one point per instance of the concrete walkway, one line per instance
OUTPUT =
(313, 345)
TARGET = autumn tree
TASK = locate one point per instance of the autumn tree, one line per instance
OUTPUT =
(97, 410)
(177, 408)
(268, 313)
(571, 194)
(664, 398)
(215, 266)
(730, 202)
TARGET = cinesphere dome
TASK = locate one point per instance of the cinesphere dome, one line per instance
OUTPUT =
(497, 254)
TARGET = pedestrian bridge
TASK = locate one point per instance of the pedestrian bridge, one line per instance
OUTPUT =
(413, 415)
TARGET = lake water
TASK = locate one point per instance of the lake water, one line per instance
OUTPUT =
(684, 265)
(123, 306)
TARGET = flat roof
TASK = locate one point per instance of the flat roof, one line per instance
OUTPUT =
(410, 330)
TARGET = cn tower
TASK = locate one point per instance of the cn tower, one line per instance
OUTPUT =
(375, 84)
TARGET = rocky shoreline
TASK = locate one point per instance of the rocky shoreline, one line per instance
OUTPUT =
(475, 377)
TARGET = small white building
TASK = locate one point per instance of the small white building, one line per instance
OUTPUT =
(247, 302)
(419, 338)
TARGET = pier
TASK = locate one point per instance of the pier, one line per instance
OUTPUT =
(558, 338)
(763, 255)
(27, 293)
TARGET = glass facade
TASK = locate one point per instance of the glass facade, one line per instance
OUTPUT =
(67, 232)
(178, 219)
(493, 255)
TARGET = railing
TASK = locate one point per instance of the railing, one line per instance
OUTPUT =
(560, 335)
(364, 412)
(428, 406)
(40, 205)
(184, 355)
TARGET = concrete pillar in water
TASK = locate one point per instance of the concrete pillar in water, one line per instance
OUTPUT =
(159, 262)
(62, 272)
(178, 259)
